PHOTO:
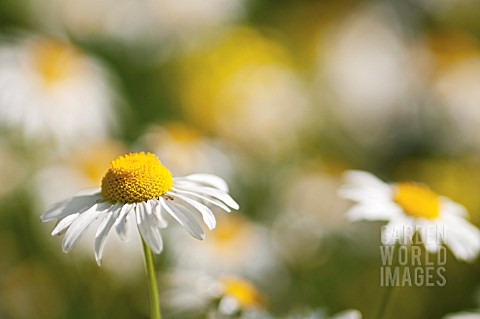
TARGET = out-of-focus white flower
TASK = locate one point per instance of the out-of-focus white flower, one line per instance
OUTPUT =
(138, 186)
(245, 89)
(319, 314)
(52, 92)
(185, 151)
(138, 20)
(464, 315)
(367, 65)
(219, 295)
(408, 206)
(237, 246)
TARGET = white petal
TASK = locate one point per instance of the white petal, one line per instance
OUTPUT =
(157, 212)
(184, 217)
(80, 224)
(462, 238)
(348, 314)
(374, 211)
(208, 179)
(452, 207)
(430, 239)
(224, 197)
(104, 229)
(213, 201)
(207, 214)
(364, 180)
(399, 229)
(121, 224)
(150, 233)
(62, 226)
(69, 206)
(365, 195)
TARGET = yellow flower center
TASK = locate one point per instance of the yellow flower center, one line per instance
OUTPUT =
(243, 291)
(135, 178)
(417, 200)
(54, 61)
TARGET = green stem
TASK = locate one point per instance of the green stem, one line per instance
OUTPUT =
(387, 294)
(152, 283)
(385, 299)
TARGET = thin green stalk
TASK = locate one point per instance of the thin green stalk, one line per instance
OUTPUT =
(385, 299)
(152, 283)
(387, 294)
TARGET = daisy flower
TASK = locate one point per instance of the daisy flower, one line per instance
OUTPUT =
(409, 205)
(53, 92)
(137, 185)
(195, 292)
(463, 315)
(320, 314)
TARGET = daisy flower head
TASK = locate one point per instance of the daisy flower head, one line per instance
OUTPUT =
(53, 92)
(411, 206)
(223, 296)
(138, 186)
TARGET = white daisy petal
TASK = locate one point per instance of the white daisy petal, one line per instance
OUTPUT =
(113, 209)
(104, 229)
(224, 197)
(207, 214)
(364, 180)
(454, 208)
(69, 206)
(348, 314)
(208, 179)
(78, 227)
(184, 218)
(64, 224)
(160, 221)
(148, 230)
(121, 224)
(373, 212)
(205, 198)
(463, 239)
(364, 194)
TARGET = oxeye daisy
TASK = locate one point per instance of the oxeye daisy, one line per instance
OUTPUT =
(412, 206)
(137, 185)
(51, 91)
(229, 295)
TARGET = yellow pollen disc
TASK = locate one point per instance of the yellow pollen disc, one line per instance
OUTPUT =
(135, 178)
(54, 61)
(417, 200)
(243, 291)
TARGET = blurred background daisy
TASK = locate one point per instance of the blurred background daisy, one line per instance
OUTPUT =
(51, 92)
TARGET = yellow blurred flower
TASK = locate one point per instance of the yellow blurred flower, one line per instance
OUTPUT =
(244, 88)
